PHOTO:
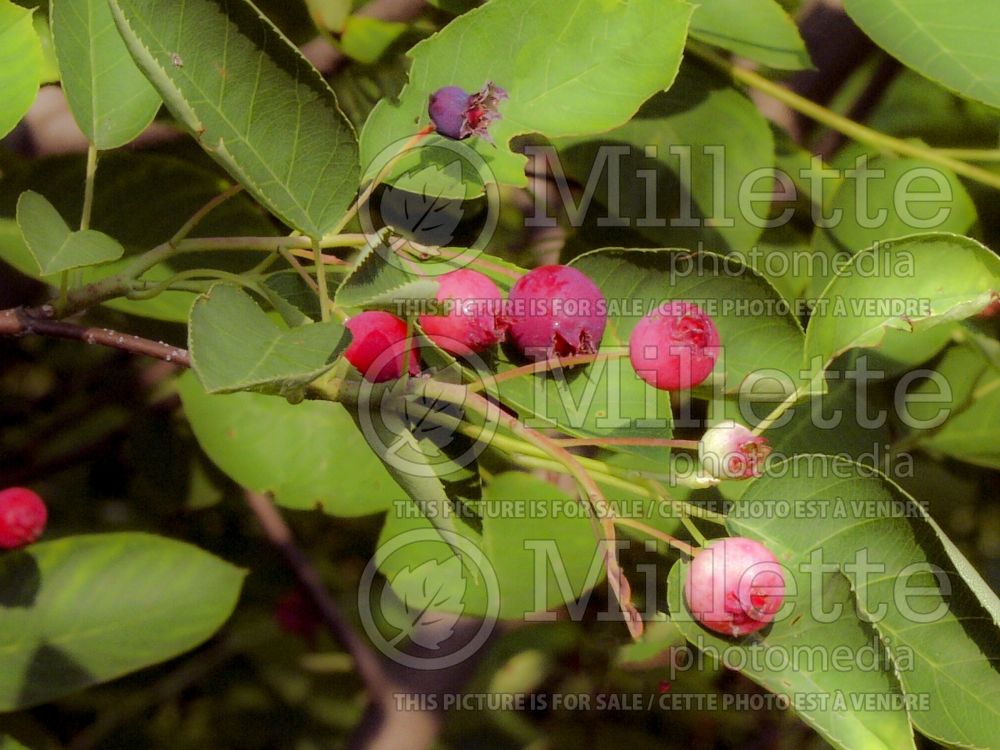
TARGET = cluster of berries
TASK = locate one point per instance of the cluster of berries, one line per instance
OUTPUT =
(552, 311)
(734, 586)
(557, 311)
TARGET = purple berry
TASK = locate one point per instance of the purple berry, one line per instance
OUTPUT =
(472, 318)
(447, 110)
(378, 346)
(734, 586)
(556, 311)
(457, 114)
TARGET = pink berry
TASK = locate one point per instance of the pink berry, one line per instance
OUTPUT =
(556, 311)
(675, 346)
(22, 517)
(472, 318)
(730, 451)
(378, 346)
(734, 586)
(457, 114)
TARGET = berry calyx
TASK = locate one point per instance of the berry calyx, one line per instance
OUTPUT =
(379, 345)
(472, 315)
(731, 451)
(456, 114)
(675, 346)
(23, 516)
(734, 586)
(556, 311)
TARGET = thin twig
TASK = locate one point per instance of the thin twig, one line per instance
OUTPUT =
(604, 515)
(22, 321)
(367, 664)
(204, 211)
(651, 442)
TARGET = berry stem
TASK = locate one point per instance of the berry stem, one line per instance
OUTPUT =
(787, 404)
(663, 536)
(693, 530)
(381, 175)
(188, 226)
(845, 125)
(325, 303)
(547, 365)
(604, 516)
(653, 442)
(88, 187)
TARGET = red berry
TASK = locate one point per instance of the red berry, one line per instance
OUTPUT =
(298, 615)
(472, 319)
(22, 517)
(675, 346)
(734, 586)
(378, 346)
(556, 311)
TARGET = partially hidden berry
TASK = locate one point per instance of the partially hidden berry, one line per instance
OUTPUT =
(675, 346)
(730, 451)
(379, 345)
(296, 614)
(472, 313)
(457, 114)
(734, 586)
(556, 311)
(23, 516)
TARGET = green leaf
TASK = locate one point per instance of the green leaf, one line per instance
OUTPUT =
(707, 141)
(434, 464)
(110, 98)
(235, 346)
(934, 613)
(20, 64)
(759, 30)
(954, 44)
(632, 49)
(377, 280)
(757, 330)
(957, 413)
(899, 286)
(420, 618)
(886, 198)
(50, 66)
(9, 743)
(329, 14)
(87, 609)
(51, 242)
(794, 656)
(252, 101)
(366, 39)
(543, 553)
(122, 209)
(833, 424)
(301, 453)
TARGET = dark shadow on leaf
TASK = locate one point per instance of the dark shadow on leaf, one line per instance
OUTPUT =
(51, 674)
(20, 580)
